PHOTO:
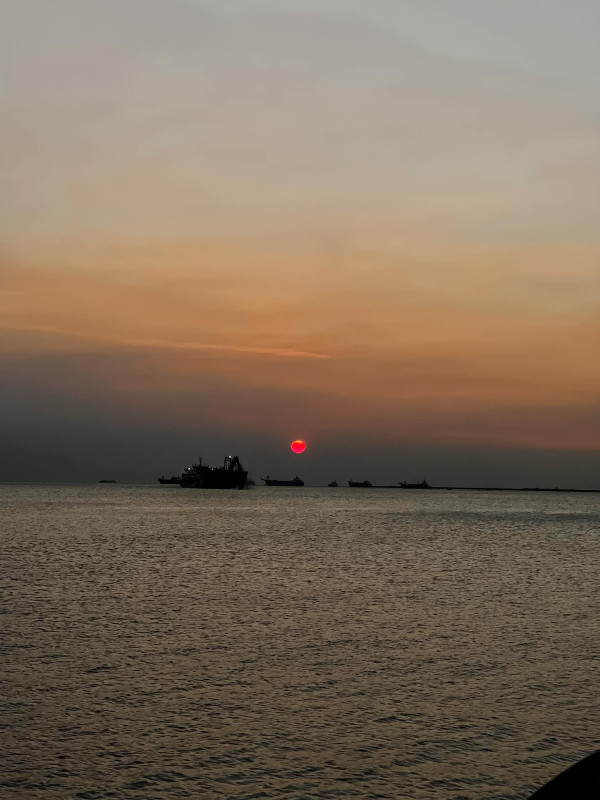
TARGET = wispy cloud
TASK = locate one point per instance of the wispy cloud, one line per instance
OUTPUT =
(279, 352)
(284, 352)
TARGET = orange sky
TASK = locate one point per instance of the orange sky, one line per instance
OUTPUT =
(407, 341)
(362, 237)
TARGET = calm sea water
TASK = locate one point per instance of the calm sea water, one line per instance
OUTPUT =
(296, 643)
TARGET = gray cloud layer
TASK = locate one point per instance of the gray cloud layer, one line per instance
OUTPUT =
(126, 117)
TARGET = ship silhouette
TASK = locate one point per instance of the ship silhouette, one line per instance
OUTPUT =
(274, 482)
(402, 485)
(231, 475)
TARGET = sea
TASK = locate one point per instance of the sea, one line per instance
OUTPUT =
(307, 644)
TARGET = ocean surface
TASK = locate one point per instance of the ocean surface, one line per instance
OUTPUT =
(295, 643)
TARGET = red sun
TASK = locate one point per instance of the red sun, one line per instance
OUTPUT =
(298, 446)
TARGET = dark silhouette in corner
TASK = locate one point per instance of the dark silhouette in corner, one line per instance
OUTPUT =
(579, 782)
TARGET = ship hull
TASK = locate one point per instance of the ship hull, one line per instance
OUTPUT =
(215, 479)
(271, 482)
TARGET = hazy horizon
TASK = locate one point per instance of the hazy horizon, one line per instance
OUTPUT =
(228, 225)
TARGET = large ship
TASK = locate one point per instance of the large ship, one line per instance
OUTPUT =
(421, 485)
(231, 475)
(360, 484)
(273, 482)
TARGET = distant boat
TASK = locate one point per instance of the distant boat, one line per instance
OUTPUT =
(107, 480)
(273, 482)
(422, 485)
(360, 484)
(333, 484)
(200, 476)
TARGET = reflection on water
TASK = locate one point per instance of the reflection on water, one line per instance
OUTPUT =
(295, 643)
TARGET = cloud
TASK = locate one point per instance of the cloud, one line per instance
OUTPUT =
(283, 352)
(204, 123)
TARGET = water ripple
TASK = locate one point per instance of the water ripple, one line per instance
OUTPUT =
(295, 644)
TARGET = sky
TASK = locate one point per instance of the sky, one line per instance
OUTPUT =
(227, 225)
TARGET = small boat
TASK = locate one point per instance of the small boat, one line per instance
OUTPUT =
(360, 484)
(107, 480)
(333, 484)
(422, 485)
(174, 479)
(273, 482)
